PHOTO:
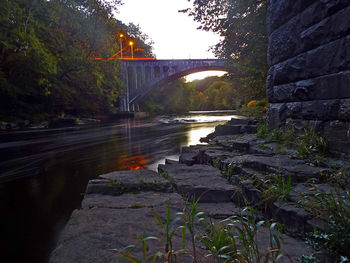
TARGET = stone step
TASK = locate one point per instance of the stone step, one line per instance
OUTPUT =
(298, 169)
(199, 181)
(107, 225)
(169, 161)
(189, 155)
(234, 143)
(212, 155)
(295, 218)
(292, 248)
(139, 200)
(120, 182)
(227, 129)
(245, 121)
(188, 158)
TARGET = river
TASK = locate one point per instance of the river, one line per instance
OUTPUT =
(44, 173)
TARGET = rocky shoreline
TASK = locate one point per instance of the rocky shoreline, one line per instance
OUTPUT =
(232, 171)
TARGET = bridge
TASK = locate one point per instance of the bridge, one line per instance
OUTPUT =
(141, 76)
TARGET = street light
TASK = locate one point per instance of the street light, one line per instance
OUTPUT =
(131, 43)
(121, 44)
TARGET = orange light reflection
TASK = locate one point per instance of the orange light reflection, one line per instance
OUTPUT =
(136, 162)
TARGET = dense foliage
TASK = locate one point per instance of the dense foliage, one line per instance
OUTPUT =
(212, 93)
(54, 56)
(241, 24)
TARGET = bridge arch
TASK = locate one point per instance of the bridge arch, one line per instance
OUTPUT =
(160, 72)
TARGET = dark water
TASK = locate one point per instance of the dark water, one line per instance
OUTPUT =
(43, 174)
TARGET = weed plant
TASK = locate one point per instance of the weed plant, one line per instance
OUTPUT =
(128, 252)
(227, 171)
(233, 240)
(335, 239)
(191, 215)
(279, 188)
(217, 163)
(169, 230)
(308, 143)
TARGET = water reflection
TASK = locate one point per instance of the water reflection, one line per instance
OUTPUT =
(44, 174)
(137, 162)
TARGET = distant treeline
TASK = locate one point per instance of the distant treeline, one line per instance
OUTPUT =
(54, 57)
(212, 93)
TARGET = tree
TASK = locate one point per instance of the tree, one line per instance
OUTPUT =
(54, 57)
(241, 23)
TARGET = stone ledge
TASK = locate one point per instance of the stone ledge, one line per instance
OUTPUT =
(320, 110)
(143, 199)
(120, 182)
(299, 171)
(333, 86)
(199, 181)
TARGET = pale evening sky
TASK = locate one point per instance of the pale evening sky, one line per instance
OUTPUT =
(175, 34)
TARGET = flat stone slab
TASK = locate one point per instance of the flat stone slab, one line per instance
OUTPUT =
(209, 155)
(144, 199)
(221, 211)
(120, 182)
(291, 248)
(298, 170)
(99, 234)
(293, 217)
(199, 181)
(188, 158)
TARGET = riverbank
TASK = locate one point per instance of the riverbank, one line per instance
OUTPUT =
(235, 169)
(69, 121)
(44, 172)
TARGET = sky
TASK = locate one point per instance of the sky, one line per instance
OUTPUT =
(174, 34)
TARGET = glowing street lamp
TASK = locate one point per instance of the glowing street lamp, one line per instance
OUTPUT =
(121, 44)
(131, 43)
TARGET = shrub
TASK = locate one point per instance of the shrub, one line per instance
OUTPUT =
(252, 104)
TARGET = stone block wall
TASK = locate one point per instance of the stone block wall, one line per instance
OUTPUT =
(309, 58)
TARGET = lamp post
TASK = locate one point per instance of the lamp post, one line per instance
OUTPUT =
(121, 44)
(131, 43)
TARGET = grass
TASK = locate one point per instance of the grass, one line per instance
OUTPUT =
(128, 252)
(169, 230)
(334, 208)
(167, 176)
(308, 143)
(228, 170)
(234, 239)
(191, 215)
(339, 178)
(279, 188)
(216, 163)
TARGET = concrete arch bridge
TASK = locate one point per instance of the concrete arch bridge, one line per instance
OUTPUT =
(142, 76)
